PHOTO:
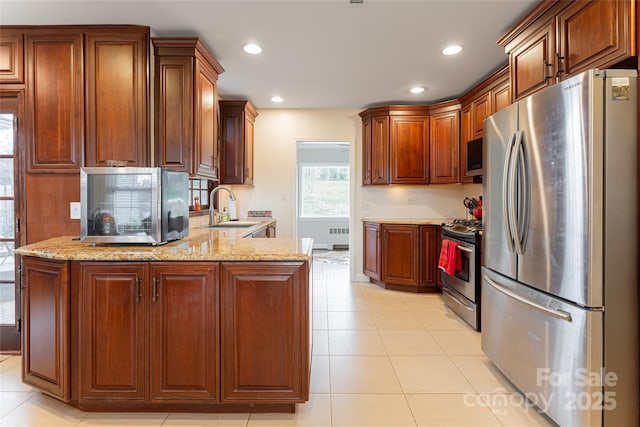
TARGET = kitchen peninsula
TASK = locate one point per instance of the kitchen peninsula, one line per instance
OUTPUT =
(216, 322)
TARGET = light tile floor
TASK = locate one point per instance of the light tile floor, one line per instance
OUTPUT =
(380, 358)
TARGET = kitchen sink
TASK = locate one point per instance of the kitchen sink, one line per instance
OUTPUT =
(233, 224)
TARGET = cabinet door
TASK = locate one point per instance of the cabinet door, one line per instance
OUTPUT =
(116, 70)
(400, 254)
(265, 332)
(11, 56)
(532, 62)
(54, 106)
(113, 328)
(248, 150)
(480, 110)
(409, 146)
(366, 151)
(594, 34)
(205, 150)
(236, 156)
(500, 97)
(45, 310)
(174, 112)
(444, 142)
(184, 332)
(372, 256)
(380, 150)
(467, 135)
(430, 252)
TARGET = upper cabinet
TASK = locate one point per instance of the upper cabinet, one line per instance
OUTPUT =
(86, 94)
(11, 56)
(116, 94)
(559, 39)
(186, 118)
(237, 120)
(444, 143)
(375, 149)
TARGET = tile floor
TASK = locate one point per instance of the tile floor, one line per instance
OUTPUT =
(380, 358)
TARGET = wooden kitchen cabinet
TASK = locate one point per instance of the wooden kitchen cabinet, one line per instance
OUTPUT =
(264, 311)
(46, 326)
(113, 325)
(116, 103)
(444, 143)
(559, 39)
(375, 150)
(501, 96)
(149, 332)
(186, 123)
(237, 120)
(54, 104)
(372, 258)
(480, 110)
(400, 251)
(409, 150)
(465, 137)
(11, 56)
(402, 257)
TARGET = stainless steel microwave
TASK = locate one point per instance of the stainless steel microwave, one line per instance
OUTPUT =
(133, 205)
(474, 158)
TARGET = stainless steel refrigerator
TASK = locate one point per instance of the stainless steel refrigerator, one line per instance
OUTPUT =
(560, 248)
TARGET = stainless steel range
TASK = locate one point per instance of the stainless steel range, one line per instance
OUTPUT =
(461, 290)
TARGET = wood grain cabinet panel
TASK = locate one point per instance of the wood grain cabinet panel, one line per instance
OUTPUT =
(372, 258)
(184, 332)
(366, 151)
(116, 73)
(480, 110)
(400, 253)
(409, 149)
(430, 251)
(594, 34)
(11, 56)
(186, 112)
(237, 120)
(467, 135)
(532, 63)
(113, 325)
(264, 314)
(501, 96)
(444, 143)
(45, 310)
(380, 150)
(54, 128)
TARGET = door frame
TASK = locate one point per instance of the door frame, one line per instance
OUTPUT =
(14, 98)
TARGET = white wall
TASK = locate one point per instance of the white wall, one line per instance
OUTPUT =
(276, 134)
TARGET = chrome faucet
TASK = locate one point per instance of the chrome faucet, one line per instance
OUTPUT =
(214, 217)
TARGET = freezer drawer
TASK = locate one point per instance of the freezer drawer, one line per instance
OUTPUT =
(548, 348)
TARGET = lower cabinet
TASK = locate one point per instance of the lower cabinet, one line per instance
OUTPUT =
(264, 313)
(402, 256)
(203, 336)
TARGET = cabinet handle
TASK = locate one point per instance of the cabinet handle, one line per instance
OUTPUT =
(154, 289)
(138, 294)
(547, 74)
(560, 59)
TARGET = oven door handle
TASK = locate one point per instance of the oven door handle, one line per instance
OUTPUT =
(465, 249)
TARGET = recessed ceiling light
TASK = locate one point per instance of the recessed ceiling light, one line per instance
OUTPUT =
(416, 89)
(277, 99)
(454, 49)
(252, 48)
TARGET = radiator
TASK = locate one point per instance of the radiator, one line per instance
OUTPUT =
(338, 237)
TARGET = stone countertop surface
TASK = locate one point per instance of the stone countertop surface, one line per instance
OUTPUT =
(408, 221)
(202, 244)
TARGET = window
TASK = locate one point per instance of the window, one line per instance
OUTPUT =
(198, 188)
(324, 191)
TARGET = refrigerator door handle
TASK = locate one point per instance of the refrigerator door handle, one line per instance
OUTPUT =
(563, 315)
(513, 192)
(519, 175)
(506, 182)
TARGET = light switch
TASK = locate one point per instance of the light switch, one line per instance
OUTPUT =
(74, 210)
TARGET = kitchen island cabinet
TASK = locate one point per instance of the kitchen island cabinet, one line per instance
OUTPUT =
(402, 254)
(212, 323)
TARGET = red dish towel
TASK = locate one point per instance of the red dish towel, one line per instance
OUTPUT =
(454, 263)
(444, 255)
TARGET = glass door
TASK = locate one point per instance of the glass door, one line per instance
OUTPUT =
(9, 294)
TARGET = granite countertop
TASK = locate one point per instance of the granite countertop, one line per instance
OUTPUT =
(202, 244)
(408, 221)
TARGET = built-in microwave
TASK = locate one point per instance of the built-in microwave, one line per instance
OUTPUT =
(474, 158)
(133, 205)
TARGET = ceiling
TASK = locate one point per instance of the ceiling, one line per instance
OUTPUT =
(316, 53)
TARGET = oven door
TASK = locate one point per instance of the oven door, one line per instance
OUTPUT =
(464, 281)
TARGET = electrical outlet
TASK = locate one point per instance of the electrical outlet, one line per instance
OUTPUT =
(283, 196)
(74, 210)
(413, 200)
